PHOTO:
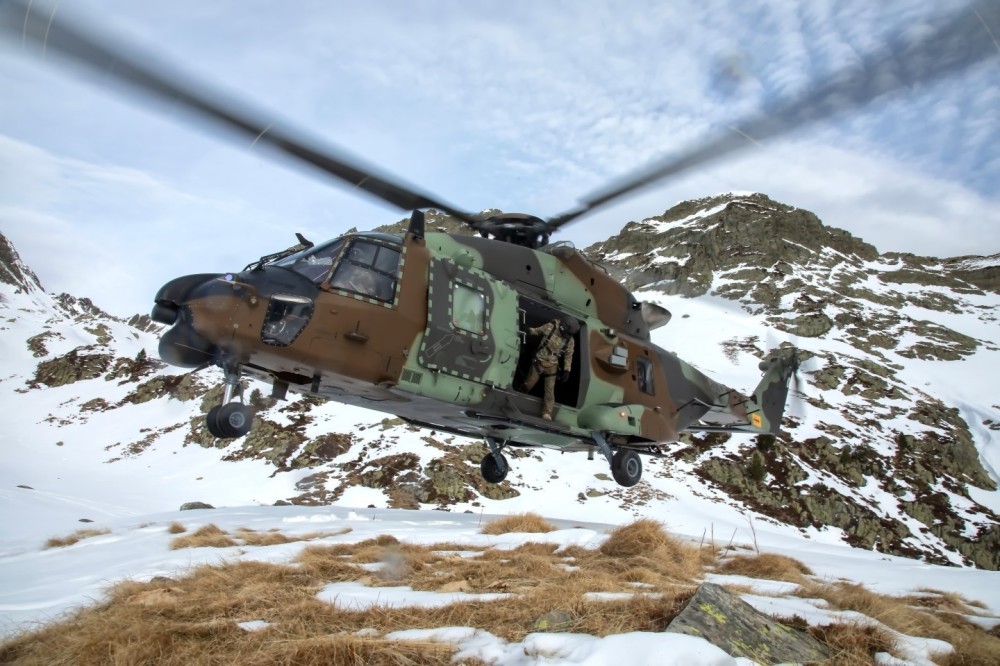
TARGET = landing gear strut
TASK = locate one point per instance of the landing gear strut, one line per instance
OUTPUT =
(626, 466)
(494, 466)
(230, 419)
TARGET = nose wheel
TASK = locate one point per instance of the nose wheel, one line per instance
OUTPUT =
(494, 466)
(231, 419)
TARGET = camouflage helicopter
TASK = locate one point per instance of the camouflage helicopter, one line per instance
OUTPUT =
(433, 327)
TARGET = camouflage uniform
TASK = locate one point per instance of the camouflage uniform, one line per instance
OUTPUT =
(555, 345)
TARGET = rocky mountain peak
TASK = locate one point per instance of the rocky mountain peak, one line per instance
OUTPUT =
(682, 249)
(435, 221)
(15, 272)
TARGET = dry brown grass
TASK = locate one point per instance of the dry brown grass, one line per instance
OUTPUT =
(176, 528)
(770, 566)
(644, 546)
(212, 536)
(973, 646)
(206, 536)
(79, 535)
(194, 619)
(522, 523)
(939, 600)
(853, 644)
(972, 649)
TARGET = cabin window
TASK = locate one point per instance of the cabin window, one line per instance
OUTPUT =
(644, 374)
(368, 269)
(468, 307)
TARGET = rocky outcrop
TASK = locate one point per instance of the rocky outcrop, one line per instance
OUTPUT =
(13, 271)
(79, 364)
(728, 622)
(815, 483)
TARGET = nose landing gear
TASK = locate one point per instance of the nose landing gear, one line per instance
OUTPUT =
(494, 466)
(230, 419)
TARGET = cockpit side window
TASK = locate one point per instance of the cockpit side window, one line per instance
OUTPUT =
(644, 375)
(315, 262)
(368, 269)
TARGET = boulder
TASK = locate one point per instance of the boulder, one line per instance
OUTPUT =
(728, 622)
(189, 506)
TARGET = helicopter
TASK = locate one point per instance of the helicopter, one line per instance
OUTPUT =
(433, 327)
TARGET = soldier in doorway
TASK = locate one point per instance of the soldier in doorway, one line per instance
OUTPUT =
(554, 351)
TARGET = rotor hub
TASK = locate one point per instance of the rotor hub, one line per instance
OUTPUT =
(517, 228)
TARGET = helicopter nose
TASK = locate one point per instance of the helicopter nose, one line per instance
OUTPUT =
(207, 312)
(172, 295)
(184, 347)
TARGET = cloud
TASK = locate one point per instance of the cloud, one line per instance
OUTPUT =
(114, 234)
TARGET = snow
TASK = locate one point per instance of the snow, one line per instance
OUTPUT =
(692, 221)
(355, 596)
(634, 648)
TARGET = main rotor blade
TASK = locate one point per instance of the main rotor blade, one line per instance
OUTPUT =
(970, 36)
(29, 22)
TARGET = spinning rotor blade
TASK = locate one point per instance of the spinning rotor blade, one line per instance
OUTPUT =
(968, 37)
(111, 59)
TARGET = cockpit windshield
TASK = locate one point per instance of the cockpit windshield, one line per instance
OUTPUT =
(368, 269)
(315, 262)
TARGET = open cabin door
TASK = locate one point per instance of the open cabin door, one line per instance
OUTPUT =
(472, 325)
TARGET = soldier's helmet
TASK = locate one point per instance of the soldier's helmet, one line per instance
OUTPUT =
(569, 325)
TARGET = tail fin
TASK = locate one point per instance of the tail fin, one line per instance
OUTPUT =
(772, 391)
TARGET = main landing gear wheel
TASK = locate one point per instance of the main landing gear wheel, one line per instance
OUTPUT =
(493, 471)
(626, 467)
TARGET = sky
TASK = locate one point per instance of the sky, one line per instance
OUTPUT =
(515, 105)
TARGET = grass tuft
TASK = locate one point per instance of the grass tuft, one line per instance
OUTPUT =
(79, 535)
(521, 523)
(211, 536)
(853, 643)
(206, 536)
(645, 544)
(638, 538)
(176, 528)
(770, 566)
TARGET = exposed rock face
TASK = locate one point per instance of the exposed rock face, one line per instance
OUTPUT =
(984, 272)
(13, 271)
(728, 622)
